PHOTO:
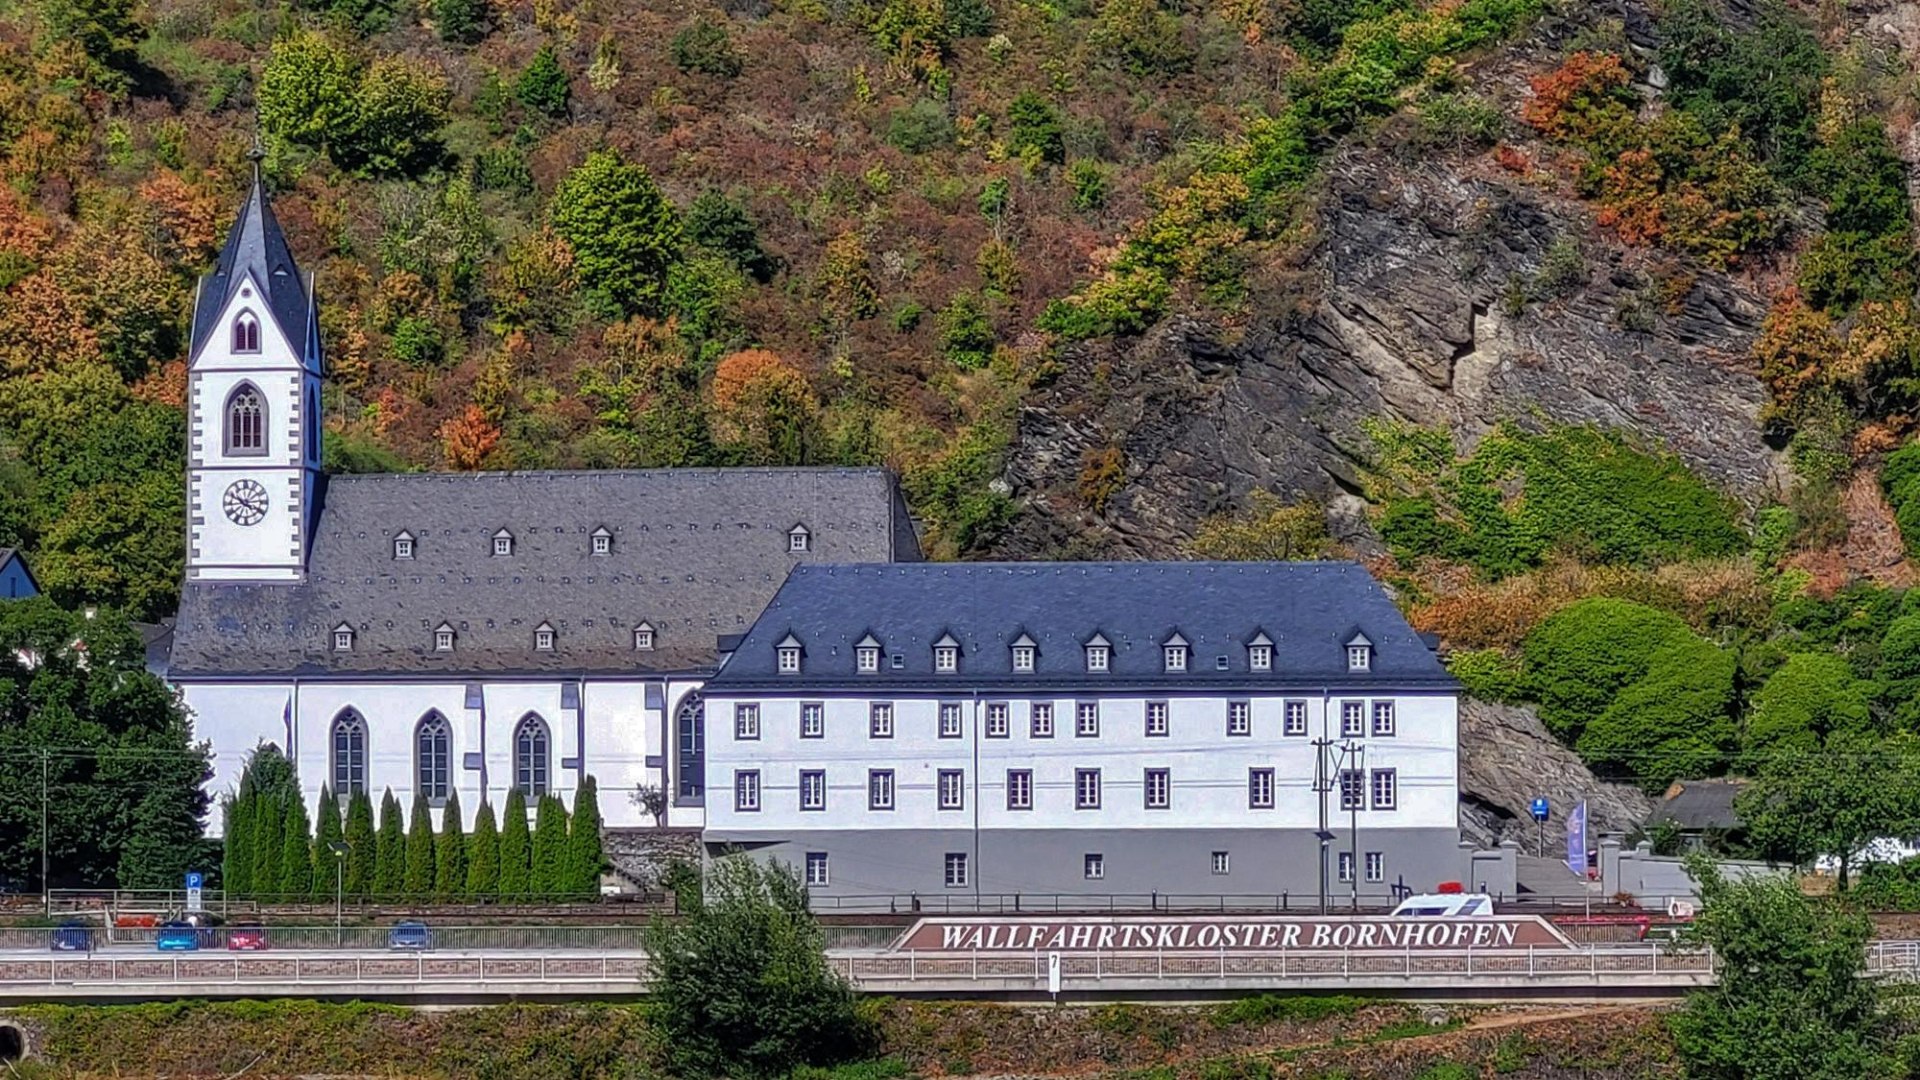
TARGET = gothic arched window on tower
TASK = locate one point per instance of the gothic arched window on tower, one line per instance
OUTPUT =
(530, 756)
(433, 758)
(246, 333)
(246, 421)
(312, 423)
(349, 753)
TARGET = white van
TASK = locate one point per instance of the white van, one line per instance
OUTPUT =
(1444, 906)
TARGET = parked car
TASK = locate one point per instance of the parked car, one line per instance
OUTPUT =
(1444, 906)
(71, 936)
(179, 937)
(246, 937)
(413, 936)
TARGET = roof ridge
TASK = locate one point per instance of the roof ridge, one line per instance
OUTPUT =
(450, 476)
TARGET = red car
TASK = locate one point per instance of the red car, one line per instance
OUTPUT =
(247, 937)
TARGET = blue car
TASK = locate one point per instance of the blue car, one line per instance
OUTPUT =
(179, 937)
(71, 936)
(410, 936)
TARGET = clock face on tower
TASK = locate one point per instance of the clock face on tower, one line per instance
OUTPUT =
(245, 502)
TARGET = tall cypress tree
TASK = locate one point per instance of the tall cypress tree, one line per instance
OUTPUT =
(328, 871)
(483, 856)
(450, 854)
(360, 851)
(585, 859)
(516, 849)
(419, 880)
(236, 860)
(268, 844)
(548, 878)
(296, 852)
(392, 877)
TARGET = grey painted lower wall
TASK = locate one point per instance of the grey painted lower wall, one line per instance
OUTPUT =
(1269, 862)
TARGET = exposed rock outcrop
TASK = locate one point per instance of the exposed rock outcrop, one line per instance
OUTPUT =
(1507, 759)
(1404, 311)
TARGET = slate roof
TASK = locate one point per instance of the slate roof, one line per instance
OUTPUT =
(1700, 804)
(1309, 610)
(257, 246)
(696, 553)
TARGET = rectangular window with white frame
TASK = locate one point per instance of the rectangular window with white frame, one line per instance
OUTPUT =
(1086, 720)
(746, 721)
(1094, 866)
(1353, 719)
(1023, 659)
(997, 726)
(866, 659)
(1386, 789)
(1097, 659)
(1359, 657)
(1019, 789)
(1042, 721)
(1159, 789)
(951, 726)
(1239, 718)
(817, 869)
(1346, 867)
(956, 875)
(1295, 720)
(953, 789)
(1260, 657)
(1260, 789)
(1383, 721)
(1086, 789)
(1157, 725)
(1175, 657)
(813, 720)
(813, 789)
(1221, 863)
(879, 789)
(1376, 866)
(880, 720)
(746, 791)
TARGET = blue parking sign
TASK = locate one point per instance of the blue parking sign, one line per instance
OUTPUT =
(194, 880)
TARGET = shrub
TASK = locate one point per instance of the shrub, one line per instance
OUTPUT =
(1582, 658)
(1673, 723)
(1036, 129)
(966, 334)
(723, 226)
(1900, 479)
(742, 986)
(463, 21)
(1089, 183)
(920, 127)
(1812, 696)
(543, 85)
(1268, 529)
(1763, 76)
(1488, 674)
(705, 47)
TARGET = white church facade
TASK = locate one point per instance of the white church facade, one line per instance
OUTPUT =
(462, 632)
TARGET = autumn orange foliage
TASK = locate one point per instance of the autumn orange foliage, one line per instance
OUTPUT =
(469, 438)
(1565, 98)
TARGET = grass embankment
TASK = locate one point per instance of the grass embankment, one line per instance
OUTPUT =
(1308, 1038)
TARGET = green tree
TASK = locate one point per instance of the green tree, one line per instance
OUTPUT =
(450, 854)
(1813, 696)
(164, 841)
(296, 852)
(1899, 670)
(543, 85)
(966, 334)
(723, 226)
(236, 858)
(483, 856)
(1269, 529)
(382, 117)
(1036, 129)
(623, 231)
(460, 21)
(1804, 804)
(1791, 1003)
(362, 857)
(418, 884)
(1580, 658)
(548, 875)
(328, 868)
(109, 546)
(585, 859)
(704, 47)
(269, 845)
(1675, 722)
(108, 32)
(742, 984)
(516, 850)
(390, 873)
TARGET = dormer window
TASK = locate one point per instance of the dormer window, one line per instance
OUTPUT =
(1173, 653)
(643, 637)
(502, 543)
(1024, 654)
(1260, 652)
(543, 637)
(246, 333)
(799, 539)
(403, 545)
(1359, 653)
(602, 541)
(1099, 653)
(866, 656)
(946, 655)
(343, 638)
(443, 638)
(787, 653)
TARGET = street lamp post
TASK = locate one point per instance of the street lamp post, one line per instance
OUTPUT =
(339, 849)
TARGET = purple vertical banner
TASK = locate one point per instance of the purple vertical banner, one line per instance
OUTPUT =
(1577, 839)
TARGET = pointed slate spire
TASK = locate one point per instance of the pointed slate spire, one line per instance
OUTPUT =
(255, 248)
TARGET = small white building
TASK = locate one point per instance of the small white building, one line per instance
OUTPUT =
(470, 632)
(1119, 728)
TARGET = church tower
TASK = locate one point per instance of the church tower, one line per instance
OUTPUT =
(253, 401)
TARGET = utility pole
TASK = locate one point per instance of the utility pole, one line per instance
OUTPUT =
(1320, 787)
(46, 889)
(1353, 752)
(339, 849)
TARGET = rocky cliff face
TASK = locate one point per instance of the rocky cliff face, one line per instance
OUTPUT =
(1409, 307)
(1507, 759)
